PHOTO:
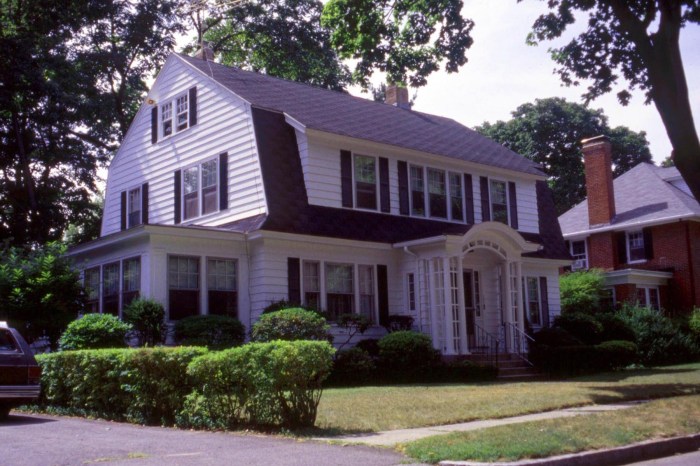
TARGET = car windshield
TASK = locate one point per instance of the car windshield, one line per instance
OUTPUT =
(7, 343)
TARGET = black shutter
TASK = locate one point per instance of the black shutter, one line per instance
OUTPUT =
(144, 203)
(513, 201)
(154, 125)
(384, 201)
(177, 202)
(648, 244)
(485, 201)
(621, 247)
(544, 300)
(383, 295)
(123, 210)
(193, 106)
(469, 198)
(403, 187)
(293, 280)
(346, 177)
(223, 181)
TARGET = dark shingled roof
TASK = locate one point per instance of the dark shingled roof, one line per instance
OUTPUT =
(340, 113)
(289, 210)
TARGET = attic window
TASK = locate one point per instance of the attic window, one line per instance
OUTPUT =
(180, 122)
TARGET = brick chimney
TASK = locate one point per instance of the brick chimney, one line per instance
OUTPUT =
(205, 52)
(597, 160)
(397, 96)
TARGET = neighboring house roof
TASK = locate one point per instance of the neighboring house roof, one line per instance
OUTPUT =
(339, 113)
(643, 196)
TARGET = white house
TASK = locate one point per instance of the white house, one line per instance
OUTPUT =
(232, 190)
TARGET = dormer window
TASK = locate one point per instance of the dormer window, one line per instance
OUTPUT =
(200, 189)
(134, 208)
(365, 171)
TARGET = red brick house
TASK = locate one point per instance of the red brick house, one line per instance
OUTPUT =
(643, 229)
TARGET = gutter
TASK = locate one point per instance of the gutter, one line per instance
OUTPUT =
(628, 226)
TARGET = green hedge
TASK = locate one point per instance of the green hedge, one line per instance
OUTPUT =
(584, 359)
(146, 385)
(94, 331)
(290, 324)
(212, 331)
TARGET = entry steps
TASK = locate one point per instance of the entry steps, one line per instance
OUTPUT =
(510, 366)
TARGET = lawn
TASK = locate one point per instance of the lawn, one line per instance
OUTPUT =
(657, 419)
(371, 409)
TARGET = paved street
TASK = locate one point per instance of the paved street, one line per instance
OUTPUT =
(47, 440)
(688, 459)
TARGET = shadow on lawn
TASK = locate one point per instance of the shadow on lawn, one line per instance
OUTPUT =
(626, 374)
(615, 394)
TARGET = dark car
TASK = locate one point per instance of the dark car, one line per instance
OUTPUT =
(19, 373)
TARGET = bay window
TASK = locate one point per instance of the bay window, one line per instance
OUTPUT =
(131, 280)
(183, 286)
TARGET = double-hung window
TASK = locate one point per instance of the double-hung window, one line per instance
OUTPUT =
(183, 286)
(456, 197)
(92, 289)
(200, 190)
(411, 291)
(131, 280)
(222, 285)
(441, 197)
(166, 119)
(182, 112)
(340, 288)
(366, 279)
(365, 171)
(312, 284)
(174, 115)
(578, 253)
(110, 289)
(417, 191)
(134, 207)
(648, 297)
(437, 193)
(499, 201)
(635, 247)
(531, 298)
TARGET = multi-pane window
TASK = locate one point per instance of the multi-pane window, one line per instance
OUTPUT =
(134, 207)
(531, 298)
(191, 192)
(411, 290)
(456, 197)
(312, 284)
(499, 201)
(222, 286)
(210, 198)
(200, 182)
(578, 253)
(181, 116)
(635, 247)
(417, 191)
(110, 289)
(166, 119)
(131, 280)
(183, 284)
(648, 297)
(339, 290)
(92, 289)
(437, 193)
(365, 182)
(366, 279)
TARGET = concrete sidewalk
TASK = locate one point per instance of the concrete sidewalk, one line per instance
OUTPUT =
(391, 438)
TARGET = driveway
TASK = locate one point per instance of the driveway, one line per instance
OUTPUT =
(49, 440)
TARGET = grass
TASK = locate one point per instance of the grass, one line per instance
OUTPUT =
(658, 419)
(371, 409)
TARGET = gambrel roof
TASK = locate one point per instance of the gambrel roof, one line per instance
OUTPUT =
(342, 114)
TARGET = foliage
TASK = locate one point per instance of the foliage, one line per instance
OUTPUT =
(407, 355)
(277, 382)
(694, 322)
(549, 132)
(147, 317)
(215, 332)
(94, 331)
(581, 291)
(146, 385)
(397, 322)
(40, 291)
(585, 327)
(353, 324)
(290, 324)
(637, 41)
(556, 336)
(405, 39)
(371, 345)
(352, 367)
(616, 354)
(284, 304)
(614, 327)
(89, 224)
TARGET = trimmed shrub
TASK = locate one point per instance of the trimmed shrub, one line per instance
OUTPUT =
(290, 324)
(94, 331)
(615, 354)
(147, 317)
(284, 304)
(581, 291)
(406, 355)
(397, 323)
(614, 327)
(582, 326)
(147, 385)
(371, 345)
(212, 331)
(352, 367)
(556, 336)
(564, 360)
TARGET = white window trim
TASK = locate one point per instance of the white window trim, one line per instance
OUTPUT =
(426, 195)
(407, 295)
(585, 249)
(128, 207)
(627, 246)
(376, 183)
(526, 295)
(200, 197)
(205, 279)
(647, 295)
(505, 182)
(173, 116)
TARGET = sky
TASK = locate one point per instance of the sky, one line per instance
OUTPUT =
(503, 73)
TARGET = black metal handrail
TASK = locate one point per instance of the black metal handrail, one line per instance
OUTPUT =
(487, 344)
(518, 341)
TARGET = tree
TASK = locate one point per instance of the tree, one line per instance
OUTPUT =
(639, 41)
(282, 38)
(40, 291)
(406, 39)
(549, 132)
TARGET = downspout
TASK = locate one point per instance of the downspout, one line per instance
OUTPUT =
(408, 251)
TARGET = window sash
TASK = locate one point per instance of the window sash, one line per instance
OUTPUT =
(366, 289)
(499, 201)
(365, 169)
(166, 116)
(182, 113)
(635, 247)
(110, 288)
(437, 193)
(340, 289)
(456, 197)
(183, 273)
(411, 289)
(532, 303)
(417, 191)
(222, 274)
(134, 207)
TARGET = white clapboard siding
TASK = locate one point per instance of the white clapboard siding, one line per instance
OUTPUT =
(223, 125)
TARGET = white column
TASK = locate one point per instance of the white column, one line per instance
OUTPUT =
(448, 319)
(464, 343)
(521, 309)
(432, 307)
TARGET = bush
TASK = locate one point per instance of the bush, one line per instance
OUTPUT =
(212, 331)
(614, 327)
(284, 304)
(582, 326)
(146, 385)
(277, 382)
(93, 331)
(147, 317)
(564, 360)
(406, 355)
(352, 367)
(290, 324)
(371, 345)
(555, 337)
(694, 322)
(396, 323)
(615, 354)
(581, 291)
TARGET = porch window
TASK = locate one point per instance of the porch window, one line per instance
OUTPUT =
(134, 207)
(339, 290)
(91, 283)
(183, 287)
(366, 279)
(456, 197)
(578, 252)
(635, 247)
(648, 296)
(531, 298)
(110, 289)
(417, 191)
(411, 291)
(200, 182)
(499, 201)
(365, 182)
(312, 284)
(437, 193)
(131, 280)
(222, 287)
